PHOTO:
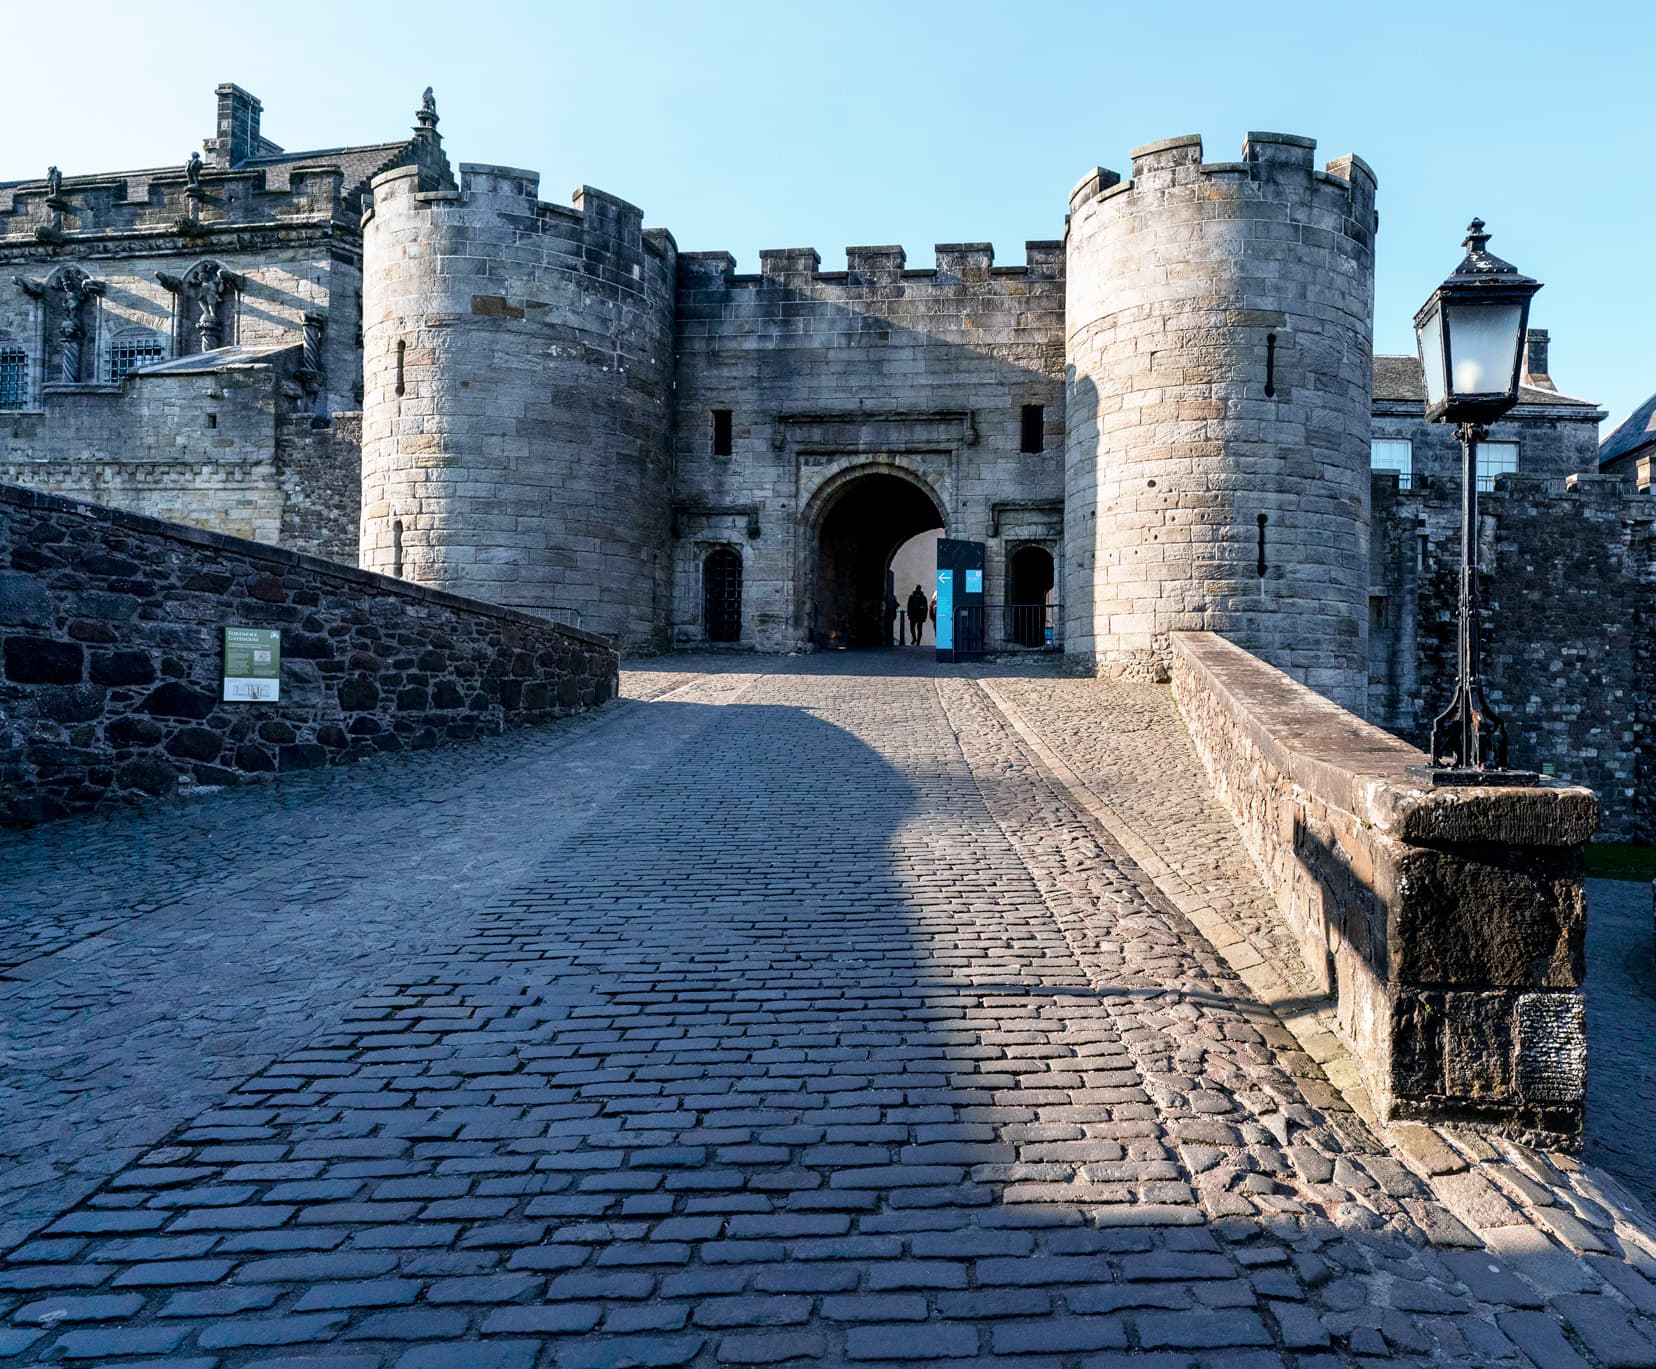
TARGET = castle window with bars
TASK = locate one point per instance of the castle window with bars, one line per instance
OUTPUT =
(130, 349)
(14, 374)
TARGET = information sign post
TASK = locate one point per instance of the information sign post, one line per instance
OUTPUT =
(252, 665)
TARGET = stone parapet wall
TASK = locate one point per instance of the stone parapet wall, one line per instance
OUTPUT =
(1219, 320)
(159, 201)
(1568, 627)
(110, 660)
(1449, 924)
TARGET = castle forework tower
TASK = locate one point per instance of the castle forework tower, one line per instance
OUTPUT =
(1219, 322)
(517, 411)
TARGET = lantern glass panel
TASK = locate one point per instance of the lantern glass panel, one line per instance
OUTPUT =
(1431, 355)
(1483, 340)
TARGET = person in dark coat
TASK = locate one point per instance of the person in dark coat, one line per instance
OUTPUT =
(916, 615)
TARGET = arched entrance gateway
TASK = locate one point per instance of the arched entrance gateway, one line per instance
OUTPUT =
(1030, 578)
(863, 522)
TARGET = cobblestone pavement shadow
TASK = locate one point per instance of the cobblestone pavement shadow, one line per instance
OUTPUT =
(796, 1015)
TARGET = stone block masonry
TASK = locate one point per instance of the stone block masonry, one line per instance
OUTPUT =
(110, 660)
(1219, 318)
(1449, 924)
(518, 397)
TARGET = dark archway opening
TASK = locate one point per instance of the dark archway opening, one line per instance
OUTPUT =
(722, 595)
(1030, 580)
(860, 534)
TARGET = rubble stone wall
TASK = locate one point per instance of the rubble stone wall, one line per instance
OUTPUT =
(111, 660)
(1568, 627)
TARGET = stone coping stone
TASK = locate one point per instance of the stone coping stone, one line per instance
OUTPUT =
(1358, 767)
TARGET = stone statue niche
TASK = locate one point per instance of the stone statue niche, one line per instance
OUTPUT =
(71, 324)
(204, 308)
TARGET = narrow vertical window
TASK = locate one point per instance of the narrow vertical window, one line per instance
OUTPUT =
(402, 350)
(1270, 369)
(1034, 428)
(1263, 520)
(396, 549)
(721, 432)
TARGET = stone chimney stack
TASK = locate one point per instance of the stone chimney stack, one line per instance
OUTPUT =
(238, 126)
(1535, 360)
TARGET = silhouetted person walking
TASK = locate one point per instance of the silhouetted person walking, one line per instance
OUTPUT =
(916, 615)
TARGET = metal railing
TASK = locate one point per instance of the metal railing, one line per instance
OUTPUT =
(1039, 627)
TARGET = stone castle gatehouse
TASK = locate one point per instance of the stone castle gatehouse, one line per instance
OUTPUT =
(1168, 416)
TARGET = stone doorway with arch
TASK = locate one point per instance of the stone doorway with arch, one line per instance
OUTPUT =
(1031, 583)
(854, 529)
(722, 594)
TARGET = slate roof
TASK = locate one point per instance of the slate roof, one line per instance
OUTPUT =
(219, 359)
(1635, 432)
(1401, 379)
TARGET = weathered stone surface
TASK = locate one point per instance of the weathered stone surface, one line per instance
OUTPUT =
(1430, 949)
(542, 1071)
(151, 715)
(1217, 452)
(459, 434)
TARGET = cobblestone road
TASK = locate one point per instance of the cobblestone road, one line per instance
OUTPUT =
(797, 1015)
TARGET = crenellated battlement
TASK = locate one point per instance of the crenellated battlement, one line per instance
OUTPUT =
(162, 201)
(954, 264)
(1276, 162)
(593, 214)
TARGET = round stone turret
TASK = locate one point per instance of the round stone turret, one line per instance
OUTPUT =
(1219, 363)
(517, 367)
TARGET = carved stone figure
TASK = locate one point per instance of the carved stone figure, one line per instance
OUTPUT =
(210, 288)
(192, 175)
(54, 183)
(77, 288)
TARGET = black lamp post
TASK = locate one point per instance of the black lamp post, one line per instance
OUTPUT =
(1471, 334)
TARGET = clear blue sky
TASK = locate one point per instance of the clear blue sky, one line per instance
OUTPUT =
(748, 125)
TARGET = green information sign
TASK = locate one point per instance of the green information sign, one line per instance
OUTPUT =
(252, 665)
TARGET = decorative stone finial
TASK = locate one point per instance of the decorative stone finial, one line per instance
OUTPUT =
(1475, 235)
(427, 115)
